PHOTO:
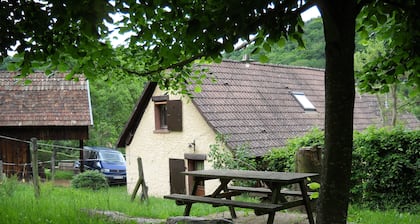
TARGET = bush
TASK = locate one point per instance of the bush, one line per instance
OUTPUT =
(386, 169)
(283, 159)
(90, 179)
(239, 158)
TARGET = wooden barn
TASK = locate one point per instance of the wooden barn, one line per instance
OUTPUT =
(42, 107)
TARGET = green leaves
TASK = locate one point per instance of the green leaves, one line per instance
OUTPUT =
(385, 163)
(391, 54)
(287, 52)
(263, 58)
(315, 187)
(54, 37)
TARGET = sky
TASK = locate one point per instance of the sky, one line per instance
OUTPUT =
(310, 13)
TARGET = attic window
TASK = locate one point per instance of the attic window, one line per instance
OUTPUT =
(304, 101)
(168, 114)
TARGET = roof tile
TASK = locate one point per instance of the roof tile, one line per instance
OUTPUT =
(46, 101)
(253, 105)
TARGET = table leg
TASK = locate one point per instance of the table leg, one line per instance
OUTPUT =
(187, 209)
(306, 201)
(271, 217)
(223, 187)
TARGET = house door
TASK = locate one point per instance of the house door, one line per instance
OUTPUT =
(196, 165)
(176, 179)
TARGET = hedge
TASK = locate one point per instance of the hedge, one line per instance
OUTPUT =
(386, 166)
(386, 170)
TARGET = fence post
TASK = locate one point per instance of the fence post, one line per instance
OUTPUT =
(54, 154)
(35, 174)
(1, 170)
(144, 195)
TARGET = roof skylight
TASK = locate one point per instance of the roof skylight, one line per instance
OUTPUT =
(304, 101)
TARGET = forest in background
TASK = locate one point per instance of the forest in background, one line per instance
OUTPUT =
(288, 52)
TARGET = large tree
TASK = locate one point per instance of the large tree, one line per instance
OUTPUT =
(169, 35)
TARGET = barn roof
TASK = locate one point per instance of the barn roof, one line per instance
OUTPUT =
(257, 105)
(44, 101)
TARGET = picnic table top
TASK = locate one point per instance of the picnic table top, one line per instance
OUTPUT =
(250, 175)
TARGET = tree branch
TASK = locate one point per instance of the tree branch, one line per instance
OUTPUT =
(305, 7)
(162, 68)
(245, 44)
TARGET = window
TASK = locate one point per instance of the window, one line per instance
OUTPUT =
(304, 101)
(168, 114)
(161, 115)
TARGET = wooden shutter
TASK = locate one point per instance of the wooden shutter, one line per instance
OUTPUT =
(174, 110)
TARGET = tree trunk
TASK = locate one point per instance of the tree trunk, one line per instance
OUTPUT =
(339, 18)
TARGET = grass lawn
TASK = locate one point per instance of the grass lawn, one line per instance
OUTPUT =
(68, 205)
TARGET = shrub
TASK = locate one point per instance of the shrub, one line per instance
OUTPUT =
(283, 159)
(89, 179)
(239, 158)
(386, 168)
(385, 171)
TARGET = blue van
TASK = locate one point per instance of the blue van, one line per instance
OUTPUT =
(108, 161)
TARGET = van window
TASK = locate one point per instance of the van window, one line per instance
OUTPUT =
(111, 157)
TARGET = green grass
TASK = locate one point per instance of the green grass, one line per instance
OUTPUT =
(364, 216)
(68, 205)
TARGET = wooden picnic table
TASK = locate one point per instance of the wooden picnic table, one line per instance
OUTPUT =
(223, 194)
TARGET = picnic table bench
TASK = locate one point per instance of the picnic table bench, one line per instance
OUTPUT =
(222, 196)
(262, 207)
(266, 191)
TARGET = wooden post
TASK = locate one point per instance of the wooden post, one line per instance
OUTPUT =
(1, 170)
(308, 160)
(35, 175)
(141, 182)
(81, 156)
(53, 156)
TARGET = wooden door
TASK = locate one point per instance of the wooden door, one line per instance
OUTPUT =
(176, 179)
(15, 157)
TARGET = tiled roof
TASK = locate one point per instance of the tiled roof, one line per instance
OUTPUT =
(46, 101)
(252, 104)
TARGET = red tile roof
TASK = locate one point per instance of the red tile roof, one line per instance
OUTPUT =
(46, 101)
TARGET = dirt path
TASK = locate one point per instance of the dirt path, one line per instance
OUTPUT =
(243, 218)
(280, 218)
(62, 183)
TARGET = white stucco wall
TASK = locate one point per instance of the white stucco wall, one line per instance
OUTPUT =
(156, 149)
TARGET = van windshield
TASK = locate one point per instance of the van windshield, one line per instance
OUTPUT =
(112, 157)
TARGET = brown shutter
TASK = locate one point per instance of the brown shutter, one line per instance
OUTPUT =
(174, 108)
